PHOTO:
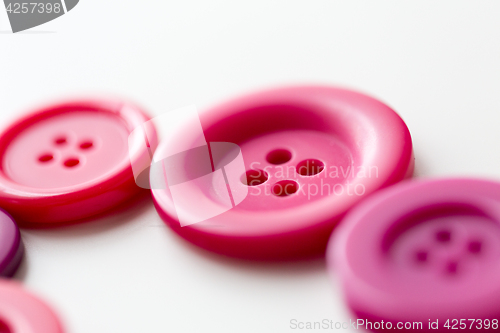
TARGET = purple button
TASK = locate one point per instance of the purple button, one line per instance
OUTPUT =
(423, 252)
(11, 247)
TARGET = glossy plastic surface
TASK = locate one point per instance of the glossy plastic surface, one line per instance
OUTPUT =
(69, 161)
(11, 246)
(328, 148)
(420, 251)
(22, 312)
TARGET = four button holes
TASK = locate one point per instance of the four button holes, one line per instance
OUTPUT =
(444, 238)
(283, 188)
(69, 162)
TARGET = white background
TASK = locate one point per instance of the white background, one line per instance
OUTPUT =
(436, 63)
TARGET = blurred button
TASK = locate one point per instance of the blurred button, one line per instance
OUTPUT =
(69, 161)
(11, 246)
(426, 251)
(22, 312)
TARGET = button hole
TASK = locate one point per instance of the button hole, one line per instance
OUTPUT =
(279, 156)
(61, 140)
(421, 256)
(45, 158)
(71, 162)
(443, 236)
(475, 247)
(254, 177)
(310, 167)
(4, 328)
(285, 188)
(86, 145)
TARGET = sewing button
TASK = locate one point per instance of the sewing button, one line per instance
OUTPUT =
(22, 312)
(309, 154)
(11, 246)
(425, 252)
(69, 161)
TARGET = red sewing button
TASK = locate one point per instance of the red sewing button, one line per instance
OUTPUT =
(423, 252)
(11, 246)
(69, 161)
(309, 154)
(22, 312)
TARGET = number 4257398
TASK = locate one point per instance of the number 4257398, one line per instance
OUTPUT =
(33, 7)
(462, 324)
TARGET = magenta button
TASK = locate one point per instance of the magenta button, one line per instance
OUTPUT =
(423, 251)
(22, 312)
(310, 154)
(11, 247)
(69, 161)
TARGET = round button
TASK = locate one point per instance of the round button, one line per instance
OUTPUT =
(11, 246)
(69, 161)
(423, 252)
(22, 312)
(309, 154)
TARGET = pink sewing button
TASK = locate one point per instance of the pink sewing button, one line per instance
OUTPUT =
(309, 155)
(423, 252)
(22, 312)
(69, 161)
(11, 247)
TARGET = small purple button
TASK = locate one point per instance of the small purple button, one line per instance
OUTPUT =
(424, 252)
(11, 247)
